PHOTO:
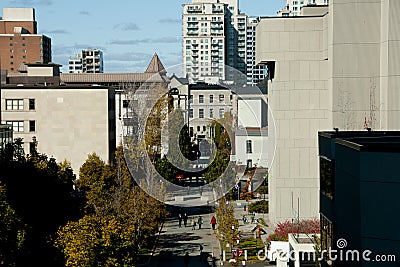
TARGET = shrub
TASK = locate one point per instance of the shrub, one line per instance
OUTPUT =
(307, 226)
(259, 207)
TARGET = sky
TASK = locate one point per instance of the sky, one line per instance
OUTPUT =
(129, 32)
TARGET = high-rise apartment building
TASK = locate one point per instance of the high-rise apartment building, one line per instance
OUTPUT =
(19, 41)
(255, 74)
(75, 64)
(88, 61)
(293, 7)
(214, 35)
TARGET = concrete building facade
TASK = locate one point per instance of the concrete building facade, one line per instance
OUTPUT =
(68, 122)
(321, 78)
(19, 41)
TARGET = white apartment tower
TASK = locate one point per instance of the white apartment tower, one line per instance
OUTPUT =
(255, 74)
(88, 61)
(293, 7)
(214, 35)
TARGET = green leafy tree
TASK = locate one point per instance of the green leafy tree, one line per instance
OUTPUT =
(12, 232)
(228, 226)
(120, 217)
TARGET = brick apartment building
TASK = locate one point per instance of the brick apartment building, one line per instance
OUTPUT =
(19, 40)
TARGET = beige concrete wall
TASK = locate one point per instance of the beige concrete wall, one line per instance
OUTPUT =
(340, 70)
(298, 98)
(70, 123)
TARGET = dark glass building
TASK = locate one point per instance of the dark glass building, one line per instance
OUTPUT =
(359, 198)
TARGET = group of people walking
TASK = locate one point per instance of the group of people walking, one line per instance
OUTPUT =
(183, 217)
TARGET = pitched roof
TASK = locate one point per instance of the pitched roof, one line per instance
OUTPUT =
(155, 65)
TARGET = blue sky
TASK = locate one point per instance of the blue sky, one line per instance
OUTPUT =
(128, 31)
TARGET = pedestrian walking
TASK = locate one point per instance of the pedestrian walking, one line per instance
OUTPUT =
(244, 219)
(180, 220)
(185, 218)
(253, 218)
(193, 224)
(200, 221)
(213, 222)
(186, 259)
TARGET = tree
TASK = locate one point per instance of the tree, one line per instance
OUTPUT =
(12, 232)
(227, 221)
(41, 196)
(222, 157)
(119, 217)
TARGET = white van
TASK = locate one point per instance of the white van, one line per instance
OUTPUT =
(274, 248)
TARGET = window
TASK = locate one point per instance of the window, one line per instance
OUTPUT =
(14, 104)
(32, 148)
(32, 126)
(201, 98)
(201, 113)
(221, 113)
(221, 98)
(32, 104)
(249, 147)
(125, 103)
(191, 113)
(327, 167)
(198, 128)
(211, 113)
(191, 99)
(191, 131)
(204, 128)
(17, 126)
(23, 44)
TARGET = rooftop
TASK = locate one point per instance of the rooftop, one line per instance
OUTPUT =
(372, 141)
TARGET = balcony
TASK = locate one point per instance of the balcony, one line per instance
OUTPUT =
(192, 33)
(217, 10)
(192, 9)
(192, 25)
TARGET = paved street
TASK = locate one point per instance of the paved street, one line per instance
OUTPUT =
(174, 242)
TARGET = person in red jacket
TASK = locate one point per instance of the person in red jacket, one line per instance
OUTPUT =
(213, 222)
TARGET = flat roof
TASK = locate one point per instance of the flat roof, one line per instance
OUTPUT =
(372, 141)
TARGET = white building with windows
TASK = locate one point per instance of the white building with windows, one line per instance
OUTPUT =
(251, 133)
(88, 61)
(68, 122)
(294, 7)
(75, 64)
(254, 73)
(214, 35)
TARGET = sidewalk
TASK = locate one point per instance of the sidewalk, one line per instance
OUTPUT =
(174, 242)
